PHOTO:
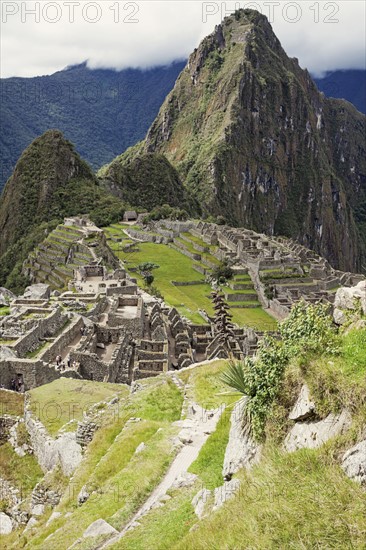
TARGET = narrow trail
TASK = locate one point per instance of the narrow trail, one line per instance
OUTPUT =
(195, 430)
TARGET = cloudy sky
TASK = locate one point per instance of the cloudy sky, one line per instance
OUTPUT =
(41, 37)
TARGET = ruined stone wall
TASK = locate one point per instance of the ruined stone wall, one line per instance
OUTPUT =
(121, 290)
(45, 328)
(58, 346)
(91, 367)
(63, 451)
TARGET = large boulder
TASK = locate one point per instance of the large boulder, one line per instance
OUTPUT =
(6, 525)
(39, 291)
(349, 300)
(311, 435)
(6, 296)
(354, 462)
(200, 502)
(99, 527)
(241, 450)
(225, 492)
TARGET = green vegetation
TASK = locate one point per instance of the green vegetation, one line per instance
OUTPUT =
(209, 463)
(21, 472)
(118, 479)
(122, 105)
(165, 212)
(40, 194)
(146, 180)
(66, 399)
(293, 500)
(163, 527)
(175, 266)
(11, 403)
(308, 329)
(4, 310)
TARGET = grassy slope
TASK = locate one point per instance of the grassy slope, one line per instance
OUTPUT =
(67, 399)
(298, 500)
(288, 501)
(23, 473)
(174, 266)
(11, 403)
(121, 479)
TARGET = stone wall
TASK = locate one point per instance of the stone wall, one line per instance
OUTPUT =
(6, 422)
(45, 328)
(58, 346)
(121, 290)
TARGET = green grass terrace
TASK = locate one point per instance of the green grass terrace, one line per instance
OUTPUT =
(176, 267)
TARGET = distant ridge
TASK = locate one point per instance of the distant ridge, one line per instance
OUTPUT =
(102, 111)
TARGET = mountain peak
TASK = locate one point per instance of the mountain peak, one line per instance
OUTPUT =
(255, 141)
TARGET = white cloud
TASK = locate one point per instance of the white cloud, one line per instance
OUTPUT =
(166, 30)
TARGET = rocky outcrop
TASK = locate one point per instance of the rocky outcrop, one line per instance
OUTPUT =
(354, 463)
(6, 525)
(38, 291)
(63, 451)
(6, 296)
(304, 407)
(200, 502)
(241, 450)
(311, 435)
(225, 492)
(350, 303)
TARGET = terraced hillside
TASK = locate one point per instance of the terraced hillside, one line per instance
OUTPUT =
(185, 261)
(54, 260)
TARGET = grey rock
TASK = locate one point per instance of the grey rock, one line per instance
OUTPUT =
(37, 510)
(200, 502)
(6, 296)
(83, 495)
(53, 516)
(354, 462)
(348, 299)
(31, 523)
(226, 492)
(311, 435)
(6, 525)
(140, 448)
(99, 527)
(304, 407)
(339, 316)
(241, 450)
(38, 291)
(186, 479)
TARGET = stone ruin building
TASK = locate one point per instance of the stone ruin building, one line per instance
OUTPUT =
(104, 328)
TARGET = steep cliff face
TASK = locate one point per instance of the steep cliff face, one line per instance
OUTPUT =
(254, 140)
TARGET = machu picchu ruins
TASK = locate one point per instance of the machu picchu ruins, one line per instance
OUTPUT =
(85, 316)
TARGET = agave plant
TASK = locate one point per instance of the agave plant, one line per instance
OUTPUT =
(234, 377)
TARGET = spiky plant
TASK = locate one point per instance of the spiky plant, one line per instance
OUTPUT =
(234, 377)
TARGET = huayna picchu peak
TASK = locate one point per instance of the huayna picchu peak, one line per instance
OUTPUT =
(254, 140)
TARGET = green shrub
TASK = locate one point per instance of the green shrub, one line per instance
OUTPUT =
(308, 328)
